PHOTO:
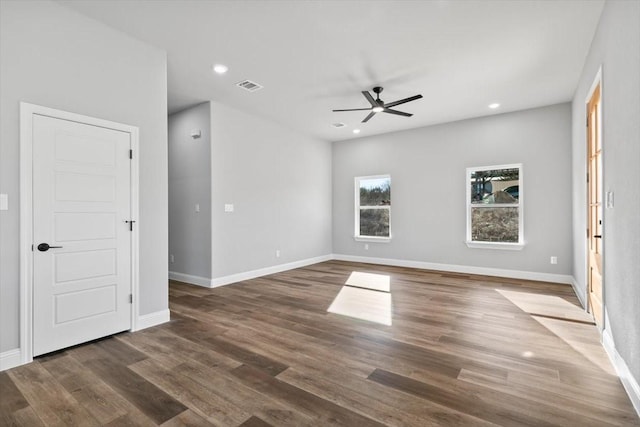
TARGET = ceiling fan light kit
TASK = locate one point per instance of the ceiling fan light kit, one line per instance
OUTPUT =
(379, 106)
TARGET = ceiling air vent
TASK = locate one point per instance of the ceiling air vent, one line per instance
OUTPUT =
(249, 85)
(338, 125)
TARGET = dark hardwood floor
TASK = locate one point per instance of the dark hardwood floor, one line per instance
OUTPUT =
(461, 350)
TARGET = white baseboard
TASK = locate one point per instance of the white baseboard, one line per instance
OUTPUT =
(579, 292)
(233, 278)
(628, 381)
(498, 272)
(10, 359)
(188, 278)
(152, 319)
(247, 275)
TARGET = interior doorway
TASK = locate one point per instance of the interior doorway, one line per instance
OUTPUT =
(594, 203)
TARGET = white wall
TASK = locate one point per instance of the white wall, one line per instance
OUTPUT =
(428, 189)
(280, 185)
(616, 47)
(52, 56)
(190, 184)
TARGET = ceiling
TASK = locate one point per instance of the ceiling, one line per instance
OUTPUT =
(315, 56)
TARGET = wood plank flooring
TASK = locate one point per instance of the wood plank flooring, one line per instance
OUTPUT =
(462, 350)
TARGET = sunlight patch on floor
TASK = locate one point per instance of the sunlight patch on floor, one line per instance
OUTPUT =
(568, 322)
(376, 282)
(583, 338)
(365, 296)
(373, 306)
(546, 305)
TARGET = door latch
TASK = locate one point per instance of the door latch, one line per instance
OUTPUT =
(44, 247)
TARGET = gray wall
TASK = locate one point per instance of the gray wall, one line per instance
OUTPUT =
(190, 184)
(616, 47)
(280, 184)
(54, 57)
(428, 166)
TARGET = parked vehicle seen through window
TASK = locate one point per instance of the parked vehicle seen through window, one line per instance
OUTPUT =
(493, 210)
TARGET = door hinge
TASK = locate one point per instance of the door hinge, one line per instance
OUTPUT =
(131, 154)
(130, 298)
(130, 225)
(31, 248)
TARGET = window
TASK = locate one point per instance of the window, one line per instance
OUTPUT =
(494, 207)
(373, 208)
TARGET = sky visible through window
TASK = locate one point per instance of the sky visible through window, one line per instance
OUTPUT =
(374, 183)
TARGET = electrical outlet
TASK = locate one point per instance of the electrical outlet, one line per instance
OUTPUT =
(228, 207)
(554, 260)
(277, 253)
(366, 246)
(172, 259)
(4, 202)
(197, 207)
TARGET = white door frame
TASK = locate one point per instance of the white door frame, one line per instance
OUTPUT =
(597, 81)
(27, 112)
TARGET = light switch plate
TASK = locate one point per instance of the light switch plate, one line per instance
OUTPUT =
(4, 202)
(228, 207)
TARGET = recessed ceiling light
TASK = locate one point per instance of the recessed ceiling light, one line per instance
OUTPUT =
(220, 68)
(494, 105)
(356, 131)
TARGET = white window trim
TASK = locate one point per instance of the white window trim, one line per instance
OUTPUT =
(357, 237)
(372, 239)
(496, 245)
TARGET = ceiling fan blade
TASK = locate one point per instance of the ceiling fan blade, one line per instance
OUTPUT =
(370, 98)
(353, 109)
(396, 112)
(371, 114)
(402, 101)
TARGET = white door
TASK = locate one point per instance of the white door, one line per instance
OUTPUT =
(81, 200)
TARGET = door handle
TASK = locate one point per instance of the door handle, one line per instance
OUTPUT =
(44, 247)
(597, 236)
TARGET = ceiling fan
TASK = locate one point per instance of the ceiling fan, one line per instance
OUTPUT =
(378, 105)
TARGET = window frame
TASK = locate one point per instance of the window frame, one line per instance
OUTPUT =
(519, 245)
(357, 236)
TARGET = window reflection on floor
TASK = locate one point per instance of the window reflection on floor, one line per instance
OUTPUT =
(365, 296)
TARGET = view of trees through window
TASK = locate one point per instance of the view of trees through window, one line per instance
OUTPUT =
(374, 206)
(495, 205)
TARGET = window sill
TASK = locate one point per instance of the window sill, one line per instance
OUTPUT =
(496, 245)
(371, 239)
